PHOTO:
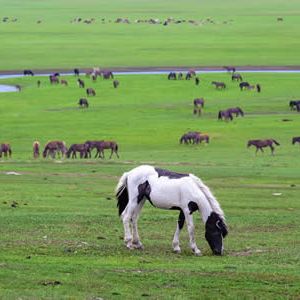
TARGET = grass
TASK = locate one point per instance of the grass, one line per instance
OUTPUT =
(251, 36)
(64, 238)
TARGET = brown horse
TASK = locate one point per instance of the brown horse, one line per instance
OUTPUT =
(53, 79)
(6, 150)
(190, 137)
(36, 149)
(219, 85)
(237, 77)
(201, 138)
(64, 82)
(260, 144)
(229, 68)
(198, 105)
(113, 146)
(90, 146)
(54, 147)
(296, 139)
(236, 110)
(81, 148)
(225, 114)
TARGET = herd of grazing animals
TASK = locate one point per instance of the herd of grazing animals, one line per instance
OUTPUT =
(59, 148)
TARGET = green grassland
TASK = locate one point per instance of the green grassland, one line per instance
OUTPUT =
(251, 36)
(65, 227)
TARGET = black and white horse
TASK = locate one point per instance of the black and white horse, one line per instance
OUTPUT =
(170, 190)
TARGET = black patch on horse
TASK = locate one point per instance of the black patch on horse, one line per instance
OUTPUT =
(144, 190)
(193, 206)
(170, 174)
(181, 217)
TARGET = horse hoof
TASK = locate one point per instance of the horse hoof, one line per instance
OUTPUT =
(138, 246)
(198, 253)
(177, 251)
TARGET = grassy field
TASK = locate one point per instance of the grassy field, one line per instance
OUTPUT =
(64, 238)
(251, 36)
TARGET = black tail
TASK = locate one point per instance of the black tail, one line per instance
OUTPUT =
(276, 142)
(122, 197)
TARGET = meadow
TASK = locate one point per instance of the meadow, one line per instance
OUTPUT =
(227, 33)
(63, 238)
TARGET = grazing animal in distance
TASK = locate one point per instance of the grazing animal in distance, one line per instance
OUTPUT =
(258, 88)
(229, 69)
(198, 105)
(243, 85)
(260, 144)
(174, 191)
(53, 79)
(81, 148)
(202, 137)
(116, 83)
(236, 110)
(5, 148)
(226, 115)
(219, 85)
(172, 76)
(54, 147)
(28, 72)
(237, 77)
(295, 140)
(83, 103)
(101, 146)
(76, 72)
(90, 92)
(64, 82)
(293, 104)
(36, 149)
(80, 83)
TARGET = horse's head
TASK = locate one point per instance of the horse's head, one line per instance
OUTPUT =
(215, 231)
(249, 144)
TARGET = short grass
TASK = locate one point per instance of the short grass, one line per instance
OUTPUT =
(65, 227)
(251, 36)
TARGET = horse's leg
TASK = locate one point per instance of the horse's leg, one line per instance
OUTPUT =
(127, 219)
(191, 229)
(180, 224)
(111, 153)
(136, 243)
(272, 149)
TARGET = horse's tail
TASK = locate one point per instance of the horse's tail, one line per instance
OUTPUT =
(122, 193)
(276, 142)
(209, 196)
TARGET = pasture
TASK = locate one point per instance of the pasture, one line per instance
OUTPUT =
(44, 34)
(60, 233)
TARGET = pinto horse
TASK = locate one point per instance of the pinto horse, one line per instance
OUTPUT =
(6, 150)
(54, 147)
(113, 146)
(293, 104)
(170, 190)
(295, 140)
(36, 149)
(83, 103)
(260, 144)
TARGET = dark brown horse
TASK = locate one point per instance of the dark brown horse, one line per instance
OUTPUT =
(90, 92)
(202, 137)
(243, 85)
(113, 146)
(83, 103)
(293, 104)
(54, 147)
(229, 68)
(237, 77)
(219, 85)
(36, 149)
(81, 148)
(260, 144)
(6, 150)
(236, 110)
(198, 105)
(295, 140)
(225, 114)
(172, 76)
(90, 145)
(53, 79)
(190, 137)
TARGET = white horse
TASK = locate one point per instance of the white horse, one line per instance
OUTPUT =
(169, 190)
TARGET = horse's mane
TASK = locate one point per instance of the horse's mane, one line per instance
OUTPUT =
(209, 196)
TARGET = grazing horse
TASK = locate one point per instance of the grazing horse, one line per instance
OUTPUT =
(76, 72)
(116, 83)
(90, 145)
(28, 72)
(81, 148)
(36, 149)
(113, 146)
(244, 85)
(53, 79)
(80, 83)
(170, 190)
(83, 103)
(198, 105)
(260, 144)
(295, 140)
(190, 137)
(202, 137)
(64, 82)
(107, 75)
(172, 76)
(90, 92)
(54, 147)
(236, 110)
(180, 76)
(229, 68)
(225, 114)
(219, 85)
(293, 104)
(237, 77)
(6, 150)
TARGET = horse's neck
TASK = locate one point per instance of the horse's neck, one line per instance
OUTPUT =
(205, 209)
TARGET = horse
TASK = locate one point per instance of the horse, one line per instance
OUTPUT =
(189, 137)
(54, 147)
(53, 79)
(201, 138)
(237, 77)
(174, 191)
(116, 83)
(36, 149)
(198, 105)
(83, 103)
(244, 85)
(293, 104)
(236, 110)
(80, 83)
(90, 92)
(295, 140)
(180, 76)
(28, 72)
(258, 88)
(90, 145)
(5, 148)
(260, 144)
(64, 82)
(81, 148)
(250, 87)
(172, 76)
(113, 146)
(225, 114)
(219, 85)
(197, 80)
(76, 72)
(107, 75)
(229, 68)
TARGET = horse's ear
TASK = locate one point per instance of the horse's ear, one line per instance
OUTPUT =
(222, 226)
